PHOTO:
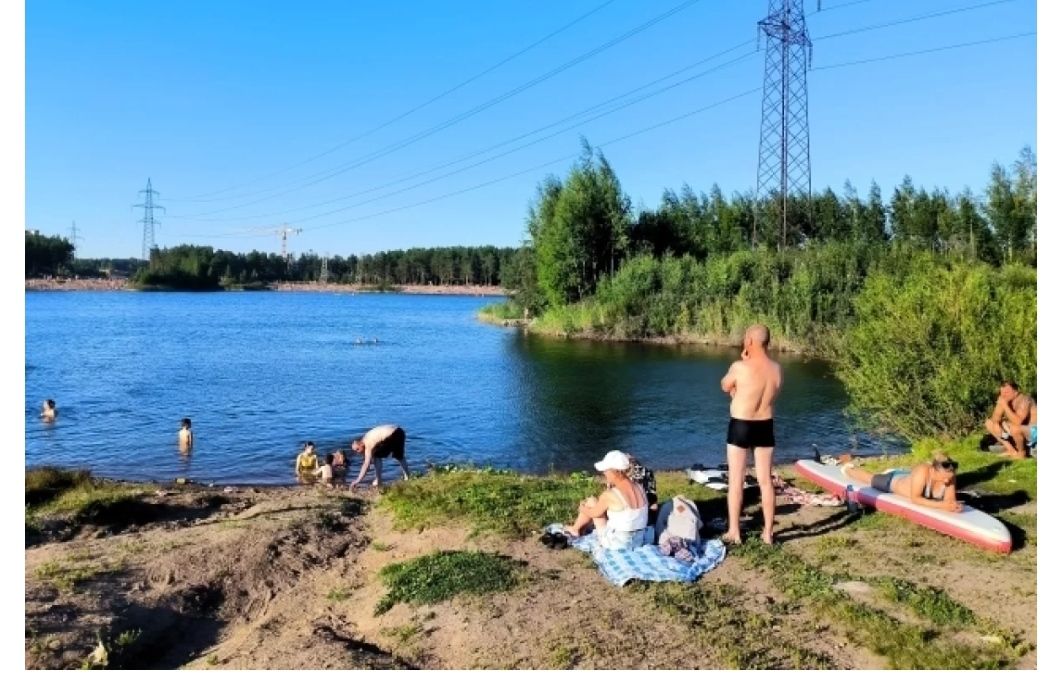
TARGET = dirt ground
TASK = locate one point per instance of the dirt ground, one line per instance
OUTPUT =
(287, 578)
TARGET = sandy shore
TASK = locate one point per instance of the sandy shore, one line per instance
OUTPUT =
(75, 284)
(121, 284)
(402, 288)
(249, 577)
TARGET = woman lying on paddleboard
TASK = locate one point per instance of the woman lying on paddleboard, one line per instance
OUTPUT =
(928, 484)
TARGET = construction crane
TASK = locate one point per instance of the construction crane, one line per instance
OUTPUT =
(283, 232)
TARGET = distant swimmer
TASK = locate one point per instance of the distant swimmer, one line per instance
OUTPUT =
(185, 436)
(306, 460)
(753, 384)
(381, 442)
(49, 412)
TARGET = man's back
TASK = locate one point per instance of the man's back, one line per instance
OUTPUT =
(757, 383)
(378, 435)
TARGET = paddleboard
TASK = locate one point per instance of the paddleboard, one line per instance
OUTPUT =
(970, 525)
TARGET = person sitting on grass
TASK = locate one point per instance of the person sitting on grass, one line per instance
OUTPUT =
(619, 515)
(1013, 421)
(644, 476)
(928, 484)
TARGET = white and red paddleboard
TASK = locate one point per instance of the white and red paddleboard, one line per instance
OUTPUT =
(970, 525)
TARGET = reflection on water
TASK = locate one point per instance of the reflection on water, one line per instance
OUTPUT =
(260, 373)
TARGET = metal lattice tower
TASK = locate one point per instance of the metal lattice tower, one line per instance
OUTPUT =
(74, 237)
(785, 156)
(283, 232)
(149, 224)
(323, 270)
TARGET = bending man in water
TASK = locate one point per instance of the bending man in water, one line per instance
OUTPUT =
(928, 484)
(753, 384)
(378, 443)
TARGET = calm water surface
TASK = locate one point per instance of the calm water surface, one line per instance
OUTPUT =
(259, 373)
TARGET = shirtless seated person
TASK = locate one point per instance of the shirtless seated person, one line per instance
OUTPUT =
(1014, 417)
(928, 484)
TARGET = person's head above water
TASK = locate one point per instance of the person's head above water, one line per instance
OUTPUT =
(310, 446)
(187, 423)
(329, 459)
(758, 336)
(49, 404)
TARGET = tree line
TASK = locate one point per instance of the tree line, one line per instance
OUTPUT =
(203, 267)
(923, 301)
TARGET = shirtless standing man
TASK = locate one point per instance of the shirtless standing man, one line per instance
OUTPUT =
(378, 443)
(753, 384)
(1015, 414)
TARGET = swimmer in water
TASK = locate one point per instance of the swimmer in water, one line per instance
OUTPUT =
(185, 436)
(49, 412)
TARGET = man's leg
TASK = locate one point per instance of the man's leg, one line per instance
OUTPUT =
(735, 482)
(1022, 438)
(377, 473)
(399, 453)
(764, 458)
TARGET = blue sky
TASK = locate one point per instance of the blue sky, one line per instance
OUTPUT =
(221, 103)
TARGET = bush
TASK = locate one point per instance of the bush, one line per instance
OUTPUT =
(444, 575)
(929, 347)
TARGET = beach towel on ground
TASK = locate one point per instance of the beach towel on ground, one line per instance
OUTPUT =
(647, 562)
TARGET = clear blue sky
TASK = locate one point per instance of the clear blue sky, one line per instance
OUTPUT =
(229, 97)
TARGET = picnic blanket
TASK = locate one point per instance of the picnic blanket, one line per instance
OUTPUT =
(648, 562)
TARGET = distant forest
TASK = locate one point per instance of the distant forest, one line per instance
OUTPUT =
(203, 267)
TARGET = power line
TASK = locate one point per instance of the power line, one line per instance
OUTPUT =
(605, 113)
(924, 52)
(204, 216)
(414, 109)
(403, 143)
(633, 134)
(922, 17)
(619, 139)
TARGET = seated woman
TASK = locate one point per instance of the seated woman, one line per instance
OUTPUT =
(619, 515)
(928, 484)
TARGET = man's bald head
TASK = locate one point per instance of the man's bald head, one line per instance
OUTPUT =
(758, 335)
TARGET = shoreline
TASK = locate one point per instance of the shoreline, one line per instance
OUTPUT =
(122, 284)
(139, 575)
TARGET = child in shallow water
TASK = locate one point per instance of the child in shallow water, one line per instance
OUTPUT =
(326, 471)
(185, 436)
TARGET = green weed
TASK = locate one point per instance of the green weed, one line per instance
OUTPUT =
(444, 575)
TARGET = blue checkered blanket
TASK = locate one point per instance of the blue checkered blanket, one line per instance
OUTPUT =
(647, 562)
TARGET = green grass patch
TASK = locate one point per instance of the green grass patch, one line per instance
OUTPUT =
(501, 311)
(403, 633)
(444, 575)
(905, 645)
(673, 483)
(66, 575)
(46, 483)
(502, 502)
(338, 594)
(739, 638)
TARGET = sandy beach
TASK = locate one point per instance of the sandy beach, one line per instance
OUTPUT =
(169, 576)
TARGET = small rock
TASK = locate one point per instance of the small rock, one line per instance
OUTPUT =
(853, 587)
(228, 490)
(54, 644)
(180, 480)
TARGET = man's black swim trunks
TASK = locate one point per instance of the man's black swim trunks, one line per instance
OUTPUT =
(750, 433)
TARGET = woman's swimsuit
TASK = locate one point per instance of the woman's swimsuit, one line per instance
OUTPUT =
(883, 480)
(625, 527)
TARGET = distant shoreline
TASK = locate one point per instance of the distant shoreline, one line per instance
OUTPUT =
(120, 284)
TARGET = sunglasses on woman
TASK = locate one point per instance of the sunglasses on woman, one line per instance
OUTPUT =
(949, 464)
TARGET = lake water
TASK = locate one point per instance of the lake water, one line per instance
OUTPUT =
(259, 373)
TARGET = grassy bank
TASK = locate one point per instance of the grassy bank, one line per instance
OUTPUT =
(446, 571)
